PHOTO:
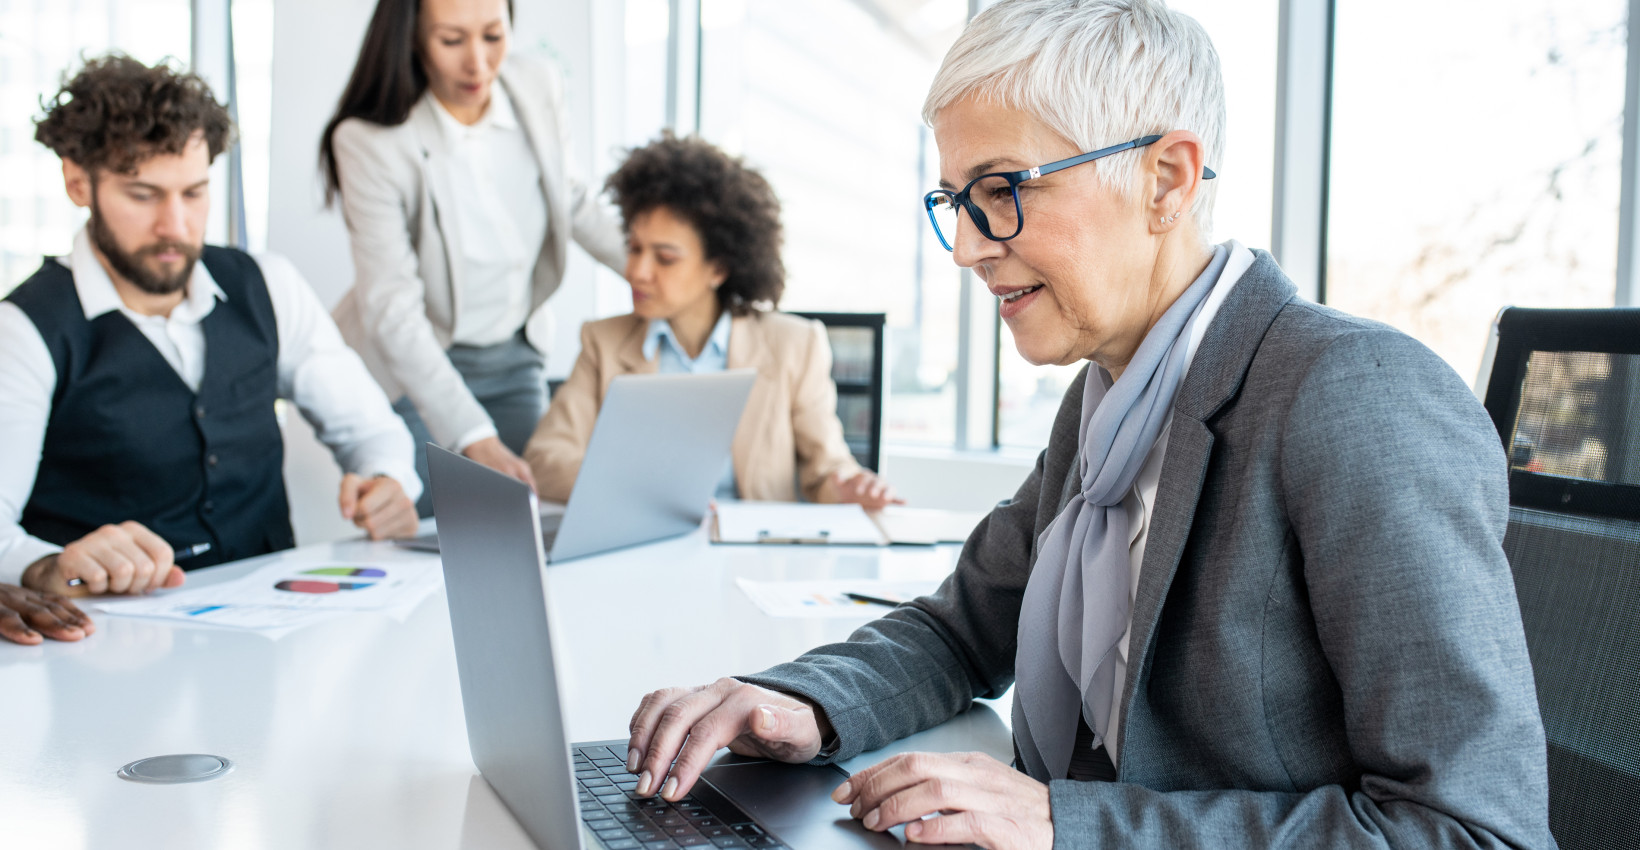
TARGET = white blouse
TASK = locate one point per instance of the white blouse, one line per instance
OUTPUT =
(501, 211)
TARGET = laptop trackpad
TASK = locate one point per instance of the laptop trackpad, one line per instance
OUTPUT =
(794, 800)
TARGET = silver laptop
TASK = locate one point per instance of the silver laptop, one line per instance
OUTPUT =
(658, 450)
(572, 796)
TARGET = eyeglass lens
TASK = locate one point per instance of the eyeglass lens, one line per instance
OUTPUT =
(995, 209)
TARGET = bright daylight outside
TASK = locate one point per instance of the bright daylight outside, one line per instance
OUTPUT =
(1479, 169)
(825, 98)
(39, 40)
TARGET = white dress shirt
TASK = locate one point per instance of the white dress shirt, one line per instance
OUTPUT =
(315, 370)
(502, 214)
(1141, 500)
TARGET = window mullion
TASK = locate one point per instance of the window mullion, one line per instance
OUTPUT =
(1298, 226)
(1628, 222)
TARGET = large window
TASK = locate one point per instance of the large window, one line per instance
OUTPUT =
(39, 41)
(1475, 152)
(1245, 35)
(648, 29)
(646, 83)
(253, 85)
(825, 98)
(1480, 168)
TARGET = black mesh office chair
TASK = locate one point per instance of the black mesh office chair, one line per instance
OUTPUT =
(1564, 393)
(857, 369)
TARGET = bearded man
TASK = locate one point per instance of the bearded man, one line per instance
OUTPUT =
(140, 371)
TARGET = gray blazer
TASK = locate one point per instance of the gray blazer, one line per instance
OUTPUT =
(396, 193)
(1327, 650)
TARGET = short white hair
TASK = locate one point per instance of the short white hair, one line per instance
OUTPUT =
(1099, 73)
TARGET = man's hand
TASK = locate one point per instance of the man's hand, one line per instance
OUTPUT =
(690, 725)
(490, 452)
(378, 505)
(867, 490)
(124, 558)
(26, 614)
(979, 800)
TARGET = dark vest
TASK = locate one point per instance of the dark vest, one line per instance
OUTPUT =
(127, 439)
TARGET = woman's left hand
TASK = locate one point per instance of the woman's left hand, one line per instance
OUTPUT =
(866, 490)
(979, 801)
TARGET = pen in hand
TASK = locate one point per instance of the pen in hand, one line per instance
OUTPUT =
(182, 554)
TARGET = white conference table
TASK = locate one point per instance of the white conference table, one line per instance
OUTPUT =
(349, 733)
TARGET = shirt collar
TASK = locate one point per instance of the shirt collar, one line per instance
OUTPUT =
(500, 115)
(98, 295)
(661, 329)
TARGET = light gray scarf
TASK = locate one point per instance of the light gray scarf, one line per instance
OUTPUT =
(1076, 606)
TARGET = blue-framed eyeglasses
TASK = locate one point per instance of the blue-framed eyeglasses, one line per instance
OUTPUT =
(992, 200)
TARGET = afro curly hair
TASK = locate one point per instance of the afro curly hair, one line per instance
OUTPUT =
(117, 112)
(729, 204)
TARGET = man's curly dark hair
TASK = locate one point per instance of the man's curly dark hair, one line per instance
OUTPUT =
(117, 112)
(731, 206)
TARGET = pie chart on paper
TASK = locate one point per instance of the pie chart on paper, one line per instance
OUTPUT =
(307, 586)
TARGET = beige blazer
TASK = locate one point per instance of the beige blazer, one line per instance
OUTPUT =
(397, 197)
(789, 435)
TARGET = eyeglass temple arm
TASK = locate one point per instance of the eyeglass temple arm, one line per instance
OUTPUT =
(1207, 173)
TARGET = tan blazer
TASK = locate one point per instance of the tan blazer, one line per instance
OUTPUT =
(788, 435)
(397, 191)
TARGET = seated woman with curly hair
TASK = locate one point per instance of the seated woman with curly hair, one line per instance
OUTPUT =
(703, 259)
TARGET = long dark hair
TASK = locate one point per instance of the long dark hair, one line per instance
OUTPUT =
(387, 79)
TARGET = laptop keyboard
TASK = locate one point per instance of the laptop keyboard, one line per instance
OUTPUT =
(611, 807)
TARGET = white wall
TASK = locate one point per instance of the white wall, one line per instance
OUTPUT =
(310, 67)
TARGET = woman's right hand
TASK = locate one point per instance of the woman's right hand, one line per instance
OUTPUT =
(865, 489)
(676, 731)
(490, 452)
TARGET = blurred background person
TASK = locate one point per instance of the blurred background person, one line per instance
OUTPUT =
(449, 156)
(703, 260)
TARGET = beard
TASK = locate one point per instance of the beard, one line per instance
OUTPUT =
(132, 266)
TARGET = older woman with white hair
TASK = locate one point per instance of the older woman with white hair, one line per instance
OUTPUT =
(1254, 592)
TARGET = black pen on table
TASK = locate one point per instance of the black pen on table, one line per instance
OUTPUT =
(182, 554)
(875, 600)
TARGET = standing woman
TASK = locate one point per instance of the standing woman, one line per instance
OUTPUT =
(449, 156)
